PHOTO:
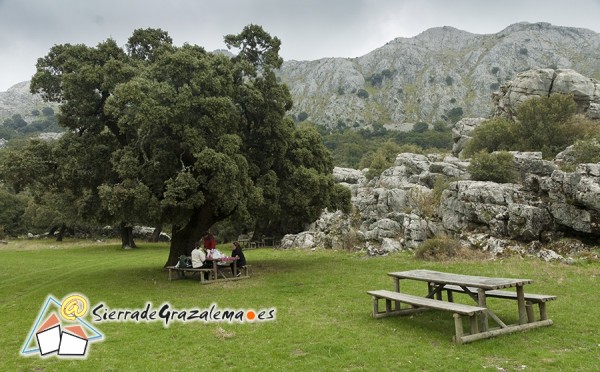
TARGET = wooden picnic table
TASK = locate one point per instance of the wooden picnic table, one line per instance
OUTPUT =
(215, 271)
(479, 288)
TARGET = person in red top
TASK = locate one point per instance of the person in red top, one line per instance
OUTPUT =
(209, 241)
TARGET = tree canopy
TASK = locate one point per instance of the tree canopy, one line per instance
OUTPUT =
(161, 134)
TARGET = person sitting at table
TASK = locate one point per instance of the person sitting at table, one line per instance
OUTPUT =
(239, 256)
(199, 260)
(214, 254)
(209, 241)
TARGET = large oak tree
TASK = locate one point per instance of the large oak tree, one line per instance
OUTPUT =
(167, 135)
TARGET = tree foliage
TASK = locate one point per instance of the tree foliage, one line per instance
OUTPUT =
(160, 134)
(496, 134)
(543, 124)
(546, 124)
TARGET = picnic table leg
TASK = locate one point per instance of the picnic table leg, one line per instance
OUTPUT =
(458, 328)
(543, 315)
(521, 303)
(375, 306)
(235, 270)
(484, 315)
(215, 270)
(450, 296)
(529, 308)
(397, 289)
(474, 324)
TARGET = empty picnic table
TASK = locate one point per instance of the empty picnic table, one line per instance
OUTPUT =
(479, 288)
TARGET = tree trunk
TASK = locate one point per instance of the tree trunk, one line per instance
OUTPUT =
(184, 239)
(61, 233)
(127, 236)
(156, 234)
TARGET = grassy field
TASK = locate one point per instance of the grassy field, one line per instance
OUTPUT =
(323, 314)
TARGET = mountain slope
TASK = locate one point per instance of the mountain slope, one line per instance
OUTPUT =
(436, 74)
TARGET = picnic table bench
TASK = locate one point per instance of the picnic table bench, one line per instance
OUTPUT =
(530, 298)
(179, 272)
(419, 303)
(478, 288)
(217, 273)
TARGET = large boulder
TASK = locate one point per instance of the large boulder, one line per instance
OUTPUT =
(574, 198)
(543, 82)
(497, 209)
(461, 133)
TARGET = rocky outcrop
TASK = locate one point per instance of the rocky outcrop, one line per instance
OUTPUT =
(402, 207)
(528, 84)
(542, 83)
(575, 198)
(461, 133)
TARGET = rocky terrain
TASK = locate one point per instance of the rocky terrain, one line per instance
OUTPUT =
(434, 74)
(421, 197)
(400, 210)
(18, 100)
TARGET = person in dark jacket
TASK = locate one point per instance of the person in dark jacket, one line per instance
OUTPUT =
(241, 259)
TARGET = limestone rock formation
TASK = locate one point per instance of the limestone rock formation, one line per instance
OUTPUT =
(400, 210)
(543, 82)
(461, 133)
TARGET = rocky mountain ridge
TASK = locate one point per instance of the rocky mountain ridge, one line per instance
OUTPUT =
(430, 76)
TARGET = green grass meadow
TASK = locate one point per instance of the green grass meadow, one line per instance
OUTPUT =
(323, 314)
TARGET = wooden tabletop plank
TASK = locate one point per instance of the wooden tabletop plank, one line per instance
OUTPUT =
(459, 279)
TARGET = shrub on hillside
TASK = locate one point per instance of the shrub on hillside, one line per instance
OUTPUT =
(496, 134)
(362, 94)
(420, 127)
(496, 167)
(384, 157)
(546, 124)
(438, 249)
(586, 151)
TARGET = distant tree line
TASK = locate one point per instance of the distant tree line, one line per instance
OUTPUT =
(376, 147)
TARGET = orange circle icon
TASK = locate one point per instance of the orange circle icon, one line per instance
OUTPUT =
(250, 315)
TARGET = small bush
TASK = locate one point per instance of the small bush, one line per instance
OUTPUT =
(302, 116)
(362, 94)
(586, 151)
(420, 127)
(497, 167)
(455, 114)
(438, 249)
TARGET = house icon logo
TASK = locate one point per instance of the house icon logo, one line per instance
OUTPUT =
(60, 329)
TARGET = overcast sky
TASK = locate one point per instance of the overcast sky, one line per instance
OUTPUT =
(308, 29)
